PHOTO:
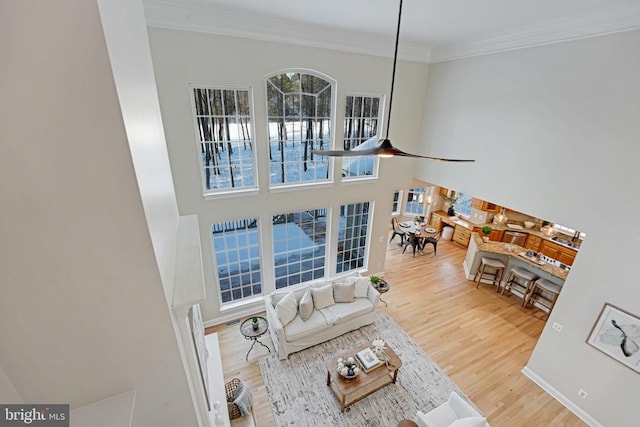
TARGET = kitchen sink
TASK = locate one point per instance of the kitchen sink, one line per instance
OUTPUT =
(564, 241)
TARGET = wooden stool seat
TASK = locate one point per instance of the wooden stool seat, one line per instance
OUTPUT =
(543, 295)
(493, 264)
(525, 276)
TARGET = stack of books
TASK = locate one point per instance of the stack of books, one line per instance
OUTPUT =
(368, 359)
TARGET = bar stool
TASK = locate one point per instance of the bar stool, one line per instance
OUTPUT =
(537, 295)
(492, 264)
(519, 273)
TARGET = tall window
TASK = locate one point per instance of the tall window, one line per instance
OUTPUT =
(352, 236)
(237, 251)
(224, 130)
(361, 122)
(299, 246)
(299, 118)
(463, 205)
(413, 197)
(397, 197)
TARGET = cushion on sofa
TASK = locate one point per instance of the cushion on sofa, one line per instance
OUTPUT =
(305, 307)
(287, 308)
(362, 287)
(323, 296)
(343, 312)
(277, 296)
(344, 292)
(298, 328)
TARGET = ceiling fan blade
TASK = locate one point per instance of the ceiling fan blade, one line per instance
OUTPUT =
(441, 159)
(346, 153)
(384, 149)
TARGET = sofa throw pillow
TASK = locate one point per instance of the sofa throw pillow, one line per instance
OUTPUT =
(468, 422)
(362, 287)
(322, 297)
(287, 308)
(305, 308)
(344, 292)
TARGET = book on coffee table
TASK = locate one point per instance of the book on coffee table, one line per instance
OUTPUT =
(368, 359)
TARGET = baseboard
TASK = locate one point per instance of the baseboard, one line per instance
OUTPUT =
(564, 401)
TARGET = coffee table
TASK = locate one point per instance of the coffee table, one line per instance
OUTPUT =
(350, 391)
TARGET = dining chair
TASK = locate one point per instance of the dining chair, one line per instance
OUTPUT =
(413, 241)
(433, 241)
(397, 231)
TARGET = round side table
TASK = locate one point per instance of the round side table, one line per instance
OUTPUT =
(383, 287)
(248, 332)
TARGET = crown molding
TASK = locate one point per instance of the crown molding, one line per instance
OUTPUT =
(232, 22)
(229, 22)
(592, 24)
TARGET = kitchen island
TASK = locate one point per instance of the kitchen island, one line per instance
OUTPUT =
(511, 258)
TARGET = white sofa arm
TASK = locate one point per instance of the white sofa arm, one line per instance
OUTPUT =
(373, 295)
(455, 408)
(276, 329)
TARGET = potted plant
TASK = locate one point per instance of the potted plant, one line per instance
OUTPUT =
(486, 230)
(375, 281)
(254, 323)
(451, 200)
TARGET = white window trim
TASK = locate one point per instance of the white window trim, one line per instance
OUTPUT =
(212, 194)
(288, 186)
(381, 116)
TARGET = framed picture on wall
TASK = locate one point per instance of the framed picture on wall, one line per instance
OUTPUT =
(616, 333)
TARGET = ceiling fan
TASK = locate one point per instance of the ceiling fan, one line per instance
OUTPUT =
(384, 148)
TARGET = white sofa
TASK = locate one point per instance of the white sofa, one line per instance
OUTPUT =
(324, 323)
(455, 412)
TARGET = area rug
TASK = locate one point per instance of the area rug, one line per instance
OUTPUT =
(299, 394)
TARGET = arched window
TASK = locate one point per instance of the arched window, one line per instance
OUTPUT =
(299, 116)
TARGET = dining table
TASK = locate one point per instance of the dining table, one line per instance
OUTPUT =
(419, 231)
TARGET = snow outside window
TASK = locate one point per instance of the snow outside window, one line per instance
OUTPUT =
(225, 137)
(352, 236)
(299, 246)
(236, 247)
(361, 126)
(299, 120)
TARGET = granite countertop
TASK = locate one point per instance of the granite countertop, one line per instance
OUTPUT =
(535, 231)
(500, 249)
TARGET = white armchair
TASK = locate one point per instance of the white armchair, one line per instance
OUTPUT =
(455, 412)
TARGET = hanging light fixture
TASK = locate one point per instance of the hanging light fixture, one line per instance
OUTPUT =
(384, 148)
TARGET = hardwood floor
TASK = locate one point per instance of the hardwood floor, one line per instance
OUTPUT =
(480, 338)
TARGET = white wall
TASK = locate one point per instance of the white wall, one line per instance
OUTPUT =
(87, 239)
(182, 57)
(555, 134)
(8, 393)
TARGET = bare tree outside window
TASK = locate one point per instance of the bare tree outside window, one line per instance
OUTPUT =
(361, 126)
(224, 131)
(299, 117)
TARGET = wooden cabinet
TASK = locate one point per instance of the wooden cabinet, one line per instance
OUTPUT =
(435, 221)
(483, 205)
(533, 243)
(461, 235)
(558, 252)
(495, 235)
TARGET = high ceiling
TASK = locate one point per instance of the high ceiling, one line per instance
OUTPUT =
(432, 30)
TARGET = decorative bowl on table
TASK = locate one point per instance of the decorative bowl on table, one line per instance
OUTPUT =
(348, 368)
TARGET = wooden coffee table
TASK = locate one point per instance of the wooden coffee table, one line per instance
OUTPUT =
(350, 391)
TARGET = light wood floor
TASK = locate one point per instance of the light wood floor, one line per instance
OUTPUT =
(480, 338)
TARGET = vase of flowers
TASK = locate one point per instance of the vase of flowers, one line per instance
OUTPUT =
(254, 323)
